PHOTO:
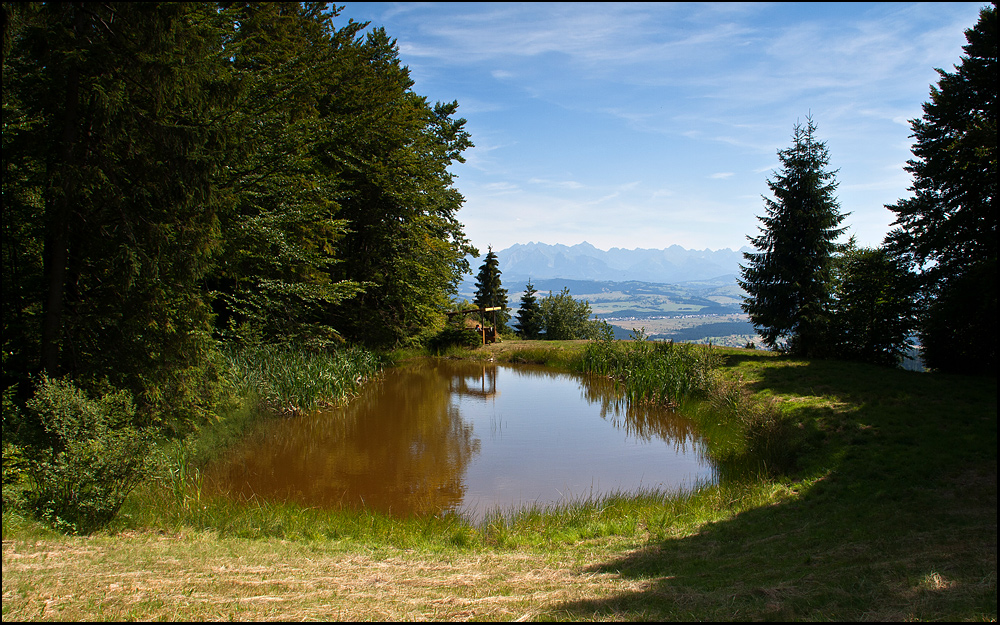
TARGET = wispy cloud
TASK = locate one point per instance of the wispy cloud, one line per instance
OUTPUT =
(571, 105)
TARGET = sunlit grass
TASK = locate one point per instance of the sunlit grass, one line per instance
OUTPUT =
(888, 512)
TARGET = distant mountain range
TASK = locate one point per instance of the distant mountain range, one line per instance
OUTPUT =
(675, 264)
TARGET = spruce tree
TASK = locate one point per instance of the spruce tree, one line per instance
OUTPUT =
(529, 319)
(948, 228)
(490, 292)
(788, 280)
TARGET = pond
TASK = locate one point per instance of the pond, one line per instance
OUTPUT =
(439, 436)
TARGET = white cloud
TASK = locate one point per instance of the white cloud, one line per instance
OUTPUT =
(570, 105)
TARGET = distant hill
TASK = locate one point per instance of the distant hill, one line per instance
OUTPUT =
(675, 264)
(550, 267)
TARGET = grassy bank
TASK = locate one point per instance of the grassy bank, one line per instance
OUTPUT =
(887, 513)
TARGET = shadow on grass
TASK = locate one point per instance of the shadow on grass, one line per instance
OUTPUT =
(896, 517)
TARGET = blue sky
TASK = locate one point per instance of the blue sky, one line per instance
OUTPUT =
(648, 125)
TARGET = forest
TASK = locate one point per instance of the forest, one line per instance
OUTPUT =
(180, 175)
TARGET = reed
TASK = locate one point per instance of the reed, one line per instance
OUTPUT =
(657, 372)
(290, 381)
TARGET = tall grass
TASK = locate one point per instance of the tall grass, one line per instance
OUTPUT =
(657, 372)
(288, 380)
(746, 434)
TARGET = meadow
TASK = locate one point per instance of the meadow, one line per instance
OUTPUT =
(880, 505)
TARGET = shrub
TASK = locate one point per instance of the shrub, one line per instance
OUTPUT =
(92, 458)
(765, 435)
(454, 336)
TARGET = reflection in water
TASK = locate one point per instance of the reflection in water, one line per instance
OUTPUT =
(437, 436)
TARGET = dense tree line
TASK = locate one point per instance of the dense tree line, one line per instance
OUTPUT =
(934, 276)
(177, 173)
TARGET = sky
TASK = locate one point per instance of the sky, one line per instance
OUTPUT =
(649, 125)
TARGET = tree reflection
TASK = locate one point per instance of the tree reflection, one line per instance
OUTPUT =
(641, 420)
(403, 446)
(476, 381)
(399, 447)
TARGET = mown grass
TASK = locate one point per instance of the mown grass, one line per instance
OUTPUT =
(887, 512)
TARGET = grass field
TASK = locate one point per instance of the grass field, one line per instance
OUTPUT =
(888, 514)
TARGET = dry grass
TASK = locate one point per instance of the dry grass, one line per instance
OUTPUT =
(150, 576)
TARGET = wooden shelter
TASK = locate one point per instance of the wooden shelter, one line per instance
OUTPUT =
(488, 334)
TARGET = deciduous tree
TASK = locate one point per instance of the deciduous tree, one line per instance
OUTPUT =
(873, 313)
(566, 319)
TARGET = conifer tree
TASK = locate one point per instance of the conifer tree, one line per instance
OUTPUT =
(490, 292)
(788, 280)
(948, 228)
(109, 158)
(529, 318)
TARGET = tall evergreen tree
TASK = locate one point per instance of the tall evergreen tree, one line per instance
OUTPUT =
(788, 280)
(114, 162)
(490, 292)
(529, 315)
(948, 228)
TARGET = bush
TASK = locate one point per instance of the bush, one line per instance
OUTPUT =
(765, 435)
(92, 458)
(454, 336)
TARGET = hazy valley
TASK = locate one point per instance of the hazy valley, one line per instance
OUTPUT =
(673, 293)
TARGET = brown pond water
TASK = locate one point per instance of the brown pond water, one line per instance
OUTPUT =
(439, 436)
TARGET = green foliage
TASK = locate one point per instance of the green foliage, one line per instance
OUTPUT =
(529, 315)
(108, 183)
(454, 336)
(92, 457)
(788, 280)
(281, 225)
(564, 318)
(490, 292)
(289, 380)
(659, 372)
(15, 467)
(177, 173)
(873, 315)
(948, 228)
(390, 152)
